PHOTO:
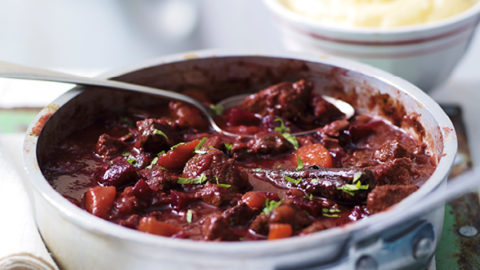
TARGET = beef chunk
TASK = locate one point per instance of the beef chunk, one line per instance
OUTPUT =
(287, 100)
(156, 135)
(397, 171)
(262, 144)
(217, 227)
(390, 150)
(125, 204)
(382, 197)
(260, 224)
(216, 165)
(269, 143)
(158, 178)
(240, 214)
(324, 111)
(109, 147)
(214, 194)
(116, 173)
(319, 225)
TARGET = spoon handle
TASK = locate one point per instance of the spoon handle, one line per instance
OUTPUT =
(10, 70)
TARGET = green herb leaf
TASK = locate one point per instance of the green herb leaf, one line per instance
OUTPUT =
(189, 216)
(132, 161)
(218, 109)
(351, 188)
(228, 146)
(161, 153)
(330, 215)
(291, 139)
(197, 180)
(126, 154)
(315, 180)
(159, 132)
(282, 128)
(310, 197)
(331, 210)
(111, 162)
(279, 167)
(356, 177)
(299, 164)
(154, 161)
(202, 141)
(293, 180)
(257, 169)
(270, 205)
(220, 184)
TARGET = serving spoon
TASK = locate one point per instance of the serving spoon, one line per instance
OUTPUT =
(15, 71)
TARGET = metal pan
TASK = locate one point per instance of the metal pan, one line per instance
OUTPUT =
(79, 240)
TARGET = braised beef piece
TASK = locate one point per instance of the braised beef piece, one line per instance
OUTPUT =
(216, 227)
(382, 197)
(155, 135)
(239, 214)
(116, 173)
(125, 204)
(158, 178)
(324, 111)
(287, 100)
(216, 195)
(130, 222)
(216, 165)
(391, 150)
(109, 147)
(319, 225)
(394, 172)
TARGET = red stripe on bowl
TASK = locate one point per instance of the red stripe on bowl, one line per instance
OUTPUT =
(396, 55)
(455, 31)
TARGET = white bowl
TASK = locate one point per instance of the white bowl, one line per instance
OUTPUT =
(423, 54)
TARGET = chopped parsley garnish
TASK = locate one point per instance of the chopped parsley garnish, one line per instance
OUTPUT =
(291, 139)
(132, 161)
(285, 132)
(154, 161)
(159, 132)
(126, 154)
(257, 169)
(218, 109)
(220, 184)
(200, 144)
(161, 153)
(351, 188)
(293, 180)
(299, 164)
(128, 134)
(314, 180)
(356, 177)
(279, 167)
(282, 128)
(228, 146)
(111, 162)
(309, 196)
(331, 212)
(189, 216)
(197, 180)
(270, 205)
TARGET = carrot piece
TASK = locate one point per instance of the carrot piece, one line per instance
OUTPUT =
(99, 200)
(178, 156)
(153, 226)
(279, 230)
(314, 154)
(254, 199)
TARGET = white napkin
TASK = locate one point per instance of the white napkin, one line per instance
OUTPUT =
(21, 246)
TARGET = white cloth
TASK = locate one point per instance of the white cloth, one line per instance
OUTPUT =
(21, 246)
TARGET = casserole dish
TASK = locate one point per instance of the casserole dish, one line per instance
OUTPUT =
(79, 240)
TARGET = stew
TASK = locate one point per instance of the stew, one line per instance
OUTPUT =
(164, 172)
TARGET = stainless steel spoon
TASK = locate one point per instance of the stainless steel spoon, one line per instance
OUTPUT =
(10, 70)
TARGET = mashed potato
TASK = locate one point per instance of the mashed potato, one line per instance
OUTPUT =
(378, 13)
